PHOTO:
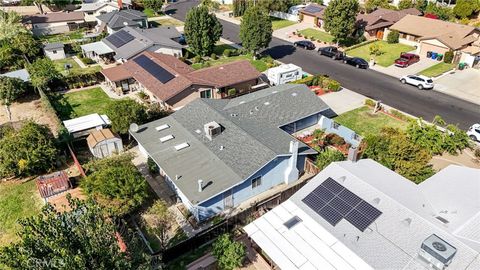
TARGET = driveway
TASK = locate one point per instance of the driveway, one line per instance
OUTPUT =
(398, 72)
(464, 84)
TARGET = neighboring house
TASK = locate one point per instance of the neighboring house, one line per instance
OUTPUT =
(218, 154)
(361, 215)
(92, 10)
(284, 73)
(172, 83)
(374, 23)
(439, 36)
(103, 143)
(294, 10)
(313, 15)
(54, 23)
(54, 51)
(129, 42)
(118, 19)
(21, 74)
(84, 125)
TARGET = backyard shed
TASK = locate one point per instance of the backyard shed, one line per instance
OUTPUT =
(82, 126)
(52, 184)
(103, 143)
(54, 51)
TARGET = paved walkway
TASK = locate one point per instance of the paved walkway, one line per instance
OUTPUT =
(286, 32)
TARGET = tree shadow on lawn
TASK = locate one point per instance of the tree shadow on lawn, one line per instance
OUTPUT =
(280, 51)
(63, 108)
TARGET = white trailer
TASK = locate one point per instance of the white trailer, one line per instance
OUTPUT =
(284, 74)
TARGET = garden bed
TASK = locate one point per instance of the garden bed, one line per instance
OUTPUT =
(390, 52)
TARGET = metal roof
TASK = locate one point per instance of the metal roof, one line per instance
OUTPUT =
(21, 74)
(52, 46)
(86, 122)
(98, 47)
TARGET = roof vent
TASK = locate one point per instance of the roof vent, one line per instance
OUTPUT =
(198, 131)
(437, 252)
(266, 103)
(212, 130)
(166, 138)
(181, 146)
(251, 112)
(241, 102)
(407, 222)
(162, 127)
(256, 108)
(200, 185)
(274, 92)
(133, 127)
(294, 94)
(233, 115)
(222, 147)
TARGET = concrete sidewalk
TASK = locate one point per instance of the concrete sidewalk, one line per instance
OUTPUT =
(343, 101)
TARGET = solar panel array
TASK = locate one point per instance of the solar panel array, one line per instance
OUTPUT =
(312, 9)
(120, 38)
(332, 202)
(154, 69)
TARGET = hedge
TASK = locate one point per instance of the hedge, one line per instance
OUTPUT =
(359, 45)
(83, 80)
(322, 81)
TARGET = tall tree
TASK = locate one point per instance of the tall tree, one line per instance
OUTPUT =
(202, 30)
(160, 220)
(82, 238)
(255, 29)
(371, 5)
(405, 4)
(340, 19)
(124, 112)
(229, 253)
(42, 72)
(465, 8)
(10, 90)
(212, 5)
(155, 5)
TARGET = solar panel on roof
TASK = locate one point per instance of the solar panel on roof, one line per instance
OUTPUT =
(154, 69)
(312, 9)
(120, 38)
(332, 201)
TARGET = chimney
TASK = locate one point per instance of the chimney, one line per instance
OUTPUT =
(291, 173)
(200, 185)
(120, 4)
(353, 154)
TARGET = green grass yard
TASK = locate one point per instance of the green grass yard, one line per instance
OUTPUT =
(317, 34)
(17, 200)
(165, 21)
(387, 58)
(64, 37)
(437, 69)
(81, 103)
(363, 122)
(278, 23)
(259, 64)
(76, 69)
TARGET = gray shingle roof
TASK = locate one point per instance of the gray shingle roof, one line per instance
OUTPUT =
(52, 46)
(120, 18)
(247, 143)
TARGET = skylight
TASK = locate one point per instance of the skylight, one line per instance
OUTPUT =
(162, 127)
(166, 138)
(181, 146)
(292, 222)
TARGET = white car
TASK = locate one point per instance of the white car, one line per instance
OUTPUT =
(420, 81)
(474, 132)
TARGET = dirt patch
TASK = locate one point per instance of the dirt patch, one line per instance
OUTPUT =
(60, 201)
(30, 107)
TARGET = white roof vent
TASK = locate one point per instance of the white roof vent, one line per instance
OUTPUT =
(294, 94)
(162, 127)
(198, 131)
(241, 102)
(274, 92)
(256, 108)
(166, 138)
(212, 130)
(266, 103)
(181, 146)
(437, 251)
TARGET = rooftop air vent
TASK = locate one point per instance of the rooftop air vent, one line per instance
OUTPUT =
(181, 146)
(266, 103)
(162, 127)
(212, 130)
(166, 138)
(437, 252)
(294, 94)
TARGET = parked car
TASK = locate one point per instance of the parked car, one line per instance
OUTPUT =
(356, 62)
(332, 52)
(406, 59)
(420, 81)
(304, 44)
(474, 132)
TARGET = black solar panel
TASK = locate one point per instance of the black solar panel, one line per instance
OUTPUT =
(154, 69)
(312, 9)
(120, 38)
(332, 201)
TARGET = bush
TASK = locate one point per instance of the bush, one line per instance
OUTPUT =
(477, 152)
(82, 80)
(232, 92)
(142, 95)
(332, 85)
(328, 156)
(400, 115)
(448, 57)
(334, 139)
(213, 56)
(197, 59)
(370, 102)
(87, 61)
(359, 44)
(393, 37)
(227, 52)
(152, 166)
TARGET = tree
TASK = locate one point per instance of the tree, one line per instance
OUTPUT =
(443, 13)
(393, 36)
(42, 72)
(124, 112)
(240, 6)
(115, 183)
(340, 19)
(212, 5)
(155, 5)
(202, 30)
(10, 25)
(82, 238)
(27, 151)
(275, 5)
(159, 220)
(229, 253)
(10, 90)
(375, 49)
(371, 5)
(421, 5)
(465, 8)
(405, 4)
(255, 29)
(328, 156)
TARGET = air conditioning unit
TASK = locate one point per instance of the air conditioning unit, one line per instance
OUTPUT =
(437, 252)
(212, 130)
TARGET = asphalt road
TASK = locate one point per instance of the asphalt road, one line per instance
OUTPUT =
(378, 86)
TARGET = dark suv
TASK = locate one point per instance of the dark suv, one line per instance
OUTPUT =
(406, 59)
(306, 44)
(332, 52)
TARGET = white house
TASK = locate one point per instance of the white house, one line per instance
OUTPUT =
(92, 10)
(54, 51)
(284, 74)
(103, 143)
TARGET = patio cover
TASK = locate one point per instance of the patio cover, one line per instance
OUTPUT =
(98, 47)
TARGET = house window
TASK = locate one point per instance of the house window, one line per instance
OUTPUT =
(256, 182)
(90, 13)
(335, 125)
(206, 93)
(54, 51)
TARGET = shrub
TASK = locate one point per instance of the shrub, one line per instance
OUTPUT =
(318, 134)
(87, 61)
(213, 56)
(370, 102)
(232, 91)
(393, 37)
(197, 59)
(477, 152)
(400, 115)
(152, 166)
(334, 139)
(227, 52)
(312, 38)
(328, 156)
(332, 85)
(448, 57)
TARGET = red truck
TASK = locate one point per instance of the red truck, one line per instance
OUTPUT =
(406, 59)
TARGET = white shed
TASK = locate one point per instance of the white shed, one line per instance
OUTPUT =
(54, 51)
(103, 143)
(81, 126)
(284, 74)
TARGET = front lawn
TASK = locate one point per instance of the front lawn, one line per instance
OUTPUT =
(76, 69)
(278, 23)
(317, 34)
(259, 64)
(364, 122)
(390, 52)
(165, 21)
(80, 103)
(437, 69)
(17, 200)
(149, 12)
